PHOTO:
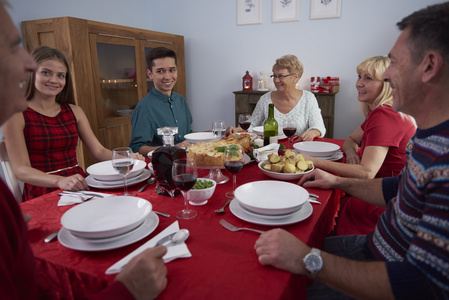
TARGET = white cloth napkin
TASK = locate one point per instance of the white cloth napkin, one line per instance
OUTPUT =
(70, 199)
(261, 154)
(173, 252)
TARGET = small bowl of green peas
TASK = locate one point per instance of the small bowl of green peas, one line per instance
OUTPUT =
(202, 191)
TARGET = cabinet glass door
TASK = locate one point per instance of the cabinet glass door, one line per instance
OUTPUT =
(117, 70)
(114, 74)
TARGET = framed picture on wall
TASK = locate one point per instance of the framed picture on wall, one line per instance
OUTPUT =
(325, 9)
(285, 10)
(249, 12)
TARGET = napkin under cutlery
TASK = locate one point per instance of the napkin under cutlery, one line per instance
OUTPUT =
(261, 154)
(173, 252)
(79, 197)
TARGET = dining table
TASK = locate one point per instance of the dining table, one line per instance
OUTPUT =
(223, 265)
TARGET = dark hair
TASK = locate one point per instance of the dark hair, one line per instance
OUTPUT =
(160, 52)
(429, 30)
(42, 54)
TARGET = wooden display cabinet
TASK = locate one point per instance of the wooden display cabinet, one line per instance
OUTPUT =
(245, 102)
(108, 69)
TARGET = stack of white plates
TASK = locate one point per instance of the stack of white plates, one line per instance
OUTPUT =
(107, 223)
(200, 137)
(102, 175)
(259, 130)
(271, 203)
(322, 150)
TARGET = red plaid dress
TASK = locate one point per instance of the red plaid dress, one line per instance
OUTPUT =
(51, 144)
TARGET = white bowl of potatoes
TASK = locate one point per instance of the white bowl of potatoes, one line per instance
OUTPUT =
(290, 166)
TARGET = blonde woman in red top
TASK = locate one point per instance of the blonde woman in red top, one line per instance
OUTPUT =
(375, 149)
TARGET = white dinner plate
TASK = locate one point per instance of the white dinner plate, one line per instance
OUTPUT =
(70, 241)
(92, 182)
(109, 239)
(104, 170)
(259, 130)
(267, 217)
(300, 215)
(337, 156)
(200, 137)
(317, 149)
(271, 197)
(106, 217)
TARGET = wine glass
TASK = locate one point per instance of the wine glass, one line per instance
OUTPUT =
(233, 162)
(289, 129)
(219, 129)
(184, 175)
(123, 162)
(244, 121)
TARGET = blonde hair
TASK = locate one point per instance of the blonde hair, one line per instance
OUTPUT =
(376, 66)
(291, 63)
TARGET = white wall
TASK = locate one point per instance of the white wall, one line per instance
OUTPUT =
(218, 51)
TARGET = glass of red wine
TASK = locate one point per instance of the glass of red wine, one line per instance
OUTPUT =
(184, 173)
(289, 129)
(245, 121)
(123, 162)
(233, 162)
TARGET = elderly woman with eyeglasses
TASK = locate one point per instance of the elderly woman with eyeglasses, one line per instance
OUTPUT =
(289, 102)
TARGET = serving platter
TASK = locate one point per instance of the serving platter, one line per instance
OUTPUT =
(282, 176)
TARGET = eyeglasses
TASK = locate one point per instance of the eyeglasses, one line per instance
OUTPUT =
(280, 77)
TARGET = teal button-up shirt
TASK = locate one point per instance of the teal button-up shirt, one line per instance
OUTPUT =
(157, 110)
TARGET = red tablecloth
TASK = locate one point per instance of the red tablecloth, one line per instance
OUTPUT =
(223, 263)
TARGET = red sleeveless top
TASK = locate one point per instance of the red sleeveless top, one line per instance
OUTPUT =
(51, 144)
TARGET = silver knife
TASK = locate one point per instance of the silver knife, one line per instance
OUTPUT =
(87, 193)
(165, 239)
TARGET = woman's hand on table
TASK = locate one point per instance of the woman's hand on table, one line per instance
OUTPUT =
(282, 250)
(231, 130)
(309, 135)
(319, 179)
(73, 183)
(145, 276)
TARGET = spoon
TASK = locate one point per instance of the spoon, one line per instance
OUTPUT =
(172, 239)
(179, 237)
(150, 181)
(51, 237)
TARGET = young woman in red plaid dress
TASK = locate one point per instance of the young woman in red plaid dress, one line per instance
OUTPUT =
(41, 141)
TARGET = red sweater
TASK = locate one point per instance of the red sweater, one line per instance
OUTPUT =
(17, 264)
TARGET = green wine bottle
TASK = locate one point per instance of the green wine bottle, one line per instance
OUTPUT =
(270, 127)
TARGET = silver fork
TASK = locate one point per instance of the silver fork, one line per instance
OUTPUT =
(221, 210)
(231, 227)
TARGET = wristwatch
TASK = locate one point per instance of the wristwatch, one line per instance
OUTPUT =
(313, 262)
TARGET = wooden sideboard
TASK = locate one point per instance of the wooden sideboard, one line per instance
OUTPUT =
(245, 102)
